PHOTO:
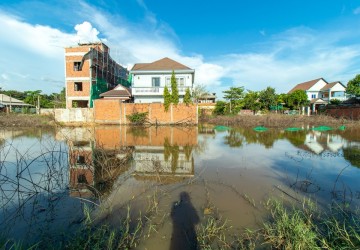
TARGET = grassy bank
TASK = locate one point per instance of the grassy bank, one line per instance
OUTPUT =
(277, 120)
(25, 120)
(286, 227)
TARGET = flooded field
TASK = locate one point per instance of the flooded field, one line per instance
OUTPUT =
(160, 182)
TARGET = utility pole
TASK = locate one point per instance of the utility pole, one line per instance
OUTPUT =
(38, 105)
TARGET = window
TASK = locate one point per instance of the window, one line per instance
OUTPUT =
(78, 86)
(155, 81)
(313, 96)
(179, 80)
(77, 66)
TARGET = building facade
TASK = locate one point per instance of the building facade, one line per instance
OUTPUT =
(90, 71)
(320, 92)
(149, 80)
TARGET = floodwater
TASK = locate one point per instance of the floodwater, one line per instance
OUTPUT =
(170, 177)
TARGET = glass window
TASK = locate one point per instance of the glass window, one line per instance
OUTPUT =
(155, 81)
(77, 66)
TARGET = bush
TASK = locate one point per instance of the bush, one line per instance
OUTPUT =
(138, 118)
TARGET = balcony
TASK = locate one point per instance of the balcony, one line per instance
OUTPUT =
(154, 90)
(341, 98)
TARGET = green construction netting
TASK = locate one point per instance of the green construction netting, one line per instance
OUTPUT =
(221, 128)
(322, 128)
(260, 129)
(125, 83)
(99, 87)
(292, 129)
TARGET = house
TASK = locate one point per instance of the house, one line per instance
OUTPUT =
(149, 80)
(320, 92)
(8, 103)
(207, 98)
(119, 92)
(90, 71)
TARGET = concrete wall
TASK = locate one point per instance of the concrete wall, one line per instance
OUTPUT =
(74, 115)
(115, 112)
(352, 112)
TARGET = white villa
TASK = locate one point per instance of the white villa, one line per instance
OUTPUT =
(149, 79)
(320, 92)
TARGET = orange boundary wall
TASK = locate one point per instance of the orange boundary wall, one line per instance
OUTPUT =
(112, 111)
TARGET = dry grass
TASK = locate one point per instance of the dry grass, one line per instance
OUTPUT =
(25, 120)
(278, 120)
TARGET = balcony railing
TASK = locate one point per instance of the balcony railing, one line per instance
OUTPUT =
(154, 90)
(341, 98)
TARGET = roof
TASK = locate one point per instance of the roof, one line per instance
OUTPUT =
(6, 100)
(305, 85)
(162, 64)
(118, 91)
(330, 85)
(317, 100)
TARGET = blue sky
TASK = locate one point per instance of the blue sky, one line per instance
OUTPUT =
(247, 43)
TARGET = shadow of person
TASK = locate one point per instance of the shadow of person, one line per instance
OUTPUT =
(184, 218)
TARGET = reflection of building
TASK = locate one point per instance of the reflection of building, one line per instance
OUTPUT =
(317, 142)
(163, 161)
(81, 168)
(98, 157)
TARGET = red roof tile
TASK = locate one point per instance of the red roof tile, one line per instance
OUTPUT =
(162, 64)
(305, 85)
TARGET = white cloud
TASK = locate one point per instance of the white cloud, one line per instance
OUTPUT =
(86, 33)
(294, 56)
(4, 77)
(357, 11)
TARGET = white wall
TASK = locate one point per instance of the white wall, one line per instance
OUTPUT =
(144, 80)
(318, 86)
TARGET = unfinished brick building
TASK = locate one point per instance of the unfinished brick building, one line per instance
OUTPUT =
(90, 71)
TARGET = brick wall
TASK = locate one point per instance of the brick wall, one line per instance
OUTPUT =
(115, 112)
(352, 112)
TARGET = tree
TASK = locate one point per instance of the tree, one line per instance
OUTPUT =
(187, 97)
(219, 108)
(199, 90)
(167, 98)
(174, 89)
(353, 86)
(251, 101)
(298, 98)
(267, 98)
(234, 95)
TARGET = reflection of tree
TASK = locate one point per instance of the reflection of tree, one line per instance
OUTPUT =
(296, 138)
(173, 151)
(138, 131)
(234, 139)
(266, 138)
(352, 154)
(188, 149)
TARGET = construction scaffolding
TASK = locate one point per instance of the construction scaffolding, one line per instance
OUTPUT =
(105, 73)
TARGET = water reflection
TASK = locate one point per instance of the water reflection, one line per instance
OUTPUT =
(229, 171)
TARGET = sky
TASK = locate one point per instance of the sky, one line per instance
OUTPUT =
(231, 43)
